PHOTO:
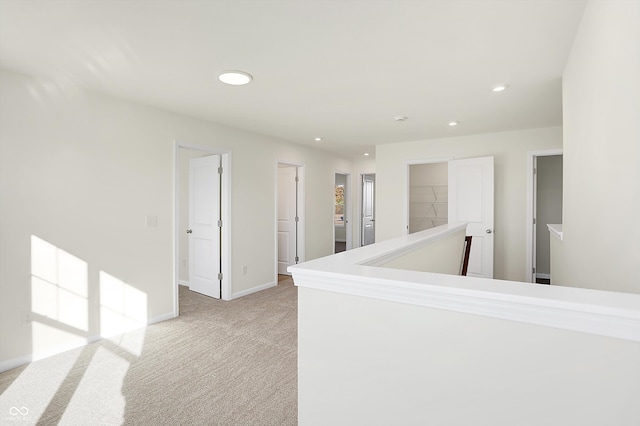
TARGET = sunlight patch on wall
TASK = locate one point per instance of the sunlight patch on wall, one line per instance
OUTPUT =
(59, 292)
(49, 339)
(122, 308)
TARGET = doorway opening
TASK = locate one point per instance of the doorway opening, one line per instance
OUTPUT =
(289, 216)
(544, 207)
(428, 196)
(208, 259)
(468, 198)
(342, 213)
(368, 224)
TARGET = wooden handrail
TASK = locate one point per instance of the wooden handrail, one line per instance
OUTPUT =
(467, 252)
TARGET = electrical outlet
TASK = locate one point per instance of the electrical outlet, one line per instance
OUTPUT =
(244, 269)
(151, 221)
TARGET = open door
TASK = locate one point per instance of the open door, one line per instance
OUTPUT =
(287, 217)
(471, 200)
(204, 225)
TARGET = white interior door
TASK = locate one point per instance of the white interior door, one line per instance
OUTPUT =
(368, 209)
(204, 225)
(471, 200)
(287, 232)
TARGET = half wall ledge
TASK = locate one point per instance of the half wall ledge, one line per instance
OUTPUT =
(358, 272)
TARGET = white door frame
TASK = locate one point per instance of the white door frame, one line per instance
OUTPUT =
(347, 209)
(226, 218)
(531, 205)
(407, 182)
(301, 221)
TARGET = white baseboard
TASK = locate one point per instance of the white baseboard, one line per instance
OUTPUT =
(26, 359)
(543, 276)
(184, 283)
(253, 290)
(10, 364)
(160, 318)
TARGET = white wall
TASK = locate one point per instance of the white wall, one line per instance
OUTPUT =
(82, 171)
(375, 362)
(601, 104)
(429, 174)
(510, 153)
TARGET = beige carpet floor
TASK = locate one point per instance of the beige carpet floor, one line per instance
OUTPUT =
(219, 363)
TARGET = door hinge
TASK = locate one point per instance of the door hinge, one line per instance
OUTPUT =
(534, 220)
(297, 179)
(535, 170)
(220, 223)
(534, 270)
(220, 170)
(297, 219)
(297, 259)
(220, 276)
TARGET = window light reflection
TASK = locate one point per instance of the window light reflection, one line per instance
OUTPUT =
(122, 306)
(59, 285)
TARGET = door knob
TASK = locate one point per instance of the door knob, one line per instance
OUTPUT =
(488, 231)
(189, 231)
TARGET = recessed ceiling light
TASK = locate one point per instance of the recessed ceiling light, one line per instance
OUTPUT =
(366, 154)
(453, 123)
(235, 78)
(500, 88)
(318, 139)
(400, 118)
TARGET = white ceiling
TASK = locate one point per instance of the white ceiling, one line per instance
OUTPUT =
(341, 70)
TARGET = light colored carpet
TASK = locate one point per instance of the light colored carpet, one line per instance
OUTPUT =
(219, 363)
